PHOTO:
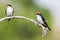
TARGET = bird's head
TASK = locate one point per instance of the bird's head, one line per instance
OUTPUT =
(8, 5)
(38, 13)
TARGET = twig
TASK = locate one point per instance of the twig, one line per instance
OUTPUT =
(21, 17)
(29, 19)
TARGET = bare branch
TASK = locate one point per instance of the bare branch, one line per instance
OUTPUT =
(22, 17)
(29, 19)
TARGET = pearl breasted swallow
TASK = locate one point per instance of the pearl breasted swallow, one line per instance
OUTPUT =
(9, 11)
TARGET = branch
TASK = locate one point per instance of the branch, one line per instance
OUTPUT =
(22, 17)
(29, 19)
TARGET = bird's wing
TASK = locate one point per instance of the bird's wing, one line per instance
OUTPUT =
(13, 11)
(43, 18)
(5, 12)
(45, 24)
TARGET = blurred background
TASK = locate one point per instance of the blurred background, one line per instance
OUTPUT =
(20, 29)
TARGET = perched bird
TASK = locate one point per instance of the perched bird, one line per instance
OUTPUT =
(41, 20)
(9, 11)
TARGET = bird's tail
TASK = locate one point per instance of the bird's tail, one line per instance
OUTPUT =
(49, 29)
(9, 19)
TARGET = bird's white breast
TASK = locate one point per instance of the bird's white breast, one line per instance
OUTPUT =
(9, 11)
(39, 19)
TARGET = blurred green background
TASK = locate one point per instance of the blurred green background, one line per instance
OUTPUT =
(20, 29)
